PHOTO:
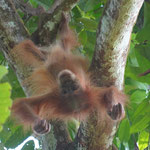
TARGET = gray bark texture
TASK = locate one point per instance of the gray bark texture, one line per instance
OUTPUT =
(107, 67)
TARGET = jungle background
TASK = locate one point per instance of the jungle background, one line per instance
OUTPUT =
(134, 130)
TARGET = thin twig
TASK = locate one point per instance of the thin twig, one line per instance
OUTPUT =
(27, 9)
(144, 73)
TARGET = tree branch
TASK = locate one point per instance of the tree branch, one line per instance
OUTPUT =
(12, 31)
(50, 21)
(113, 39)
(145, 73)
(11, 28)
(27, 9)
(108, 65)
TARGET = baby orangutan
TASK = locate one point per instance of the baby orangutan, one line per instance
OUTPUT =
(62, 85)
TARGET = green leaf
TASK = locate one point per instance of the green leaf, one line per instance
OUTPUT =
(143, 65)
(143, 50)
(142, 108)
(133, 72)
(12, 135)
(146, 14)
(29, 145)
(138, 96)
(82, 37)
(16, 138)
(124, 131)
(140, 123)
(3, 71)
(77, 12)
(73, 126)
(143, 140)
(16, 88)
(90, 44)
(131, 84)
(5, 101)
(143, 62)
(89, 24)
(144, 34)
(91, 5)
(45, 3)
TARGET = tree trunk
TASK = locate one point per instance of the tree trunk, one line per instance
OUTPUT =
(108, 65)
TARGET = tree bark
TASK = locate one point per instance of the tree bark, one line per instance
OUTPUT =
(108, 64)
(50, 21)
(13, 31)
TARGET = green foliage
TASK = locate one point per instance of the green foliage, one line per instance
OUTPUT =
(28, 145)
(31, 24)
(85, 19)
(73, 126)
(144, 34)
(138, 96)
(143, 140)
(3, 71)
(5, 100)
(16, 88)
(89, 24)
(11, 135)
(44, 3)
(124, 131)
(83, 37)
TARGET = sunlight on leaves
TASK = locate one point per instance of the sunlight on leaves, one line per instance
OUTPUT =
(5, 100)
(143, 140)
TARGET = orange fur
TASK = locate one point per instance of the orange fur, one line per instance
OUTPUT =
(49, 79)
(29, 53)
